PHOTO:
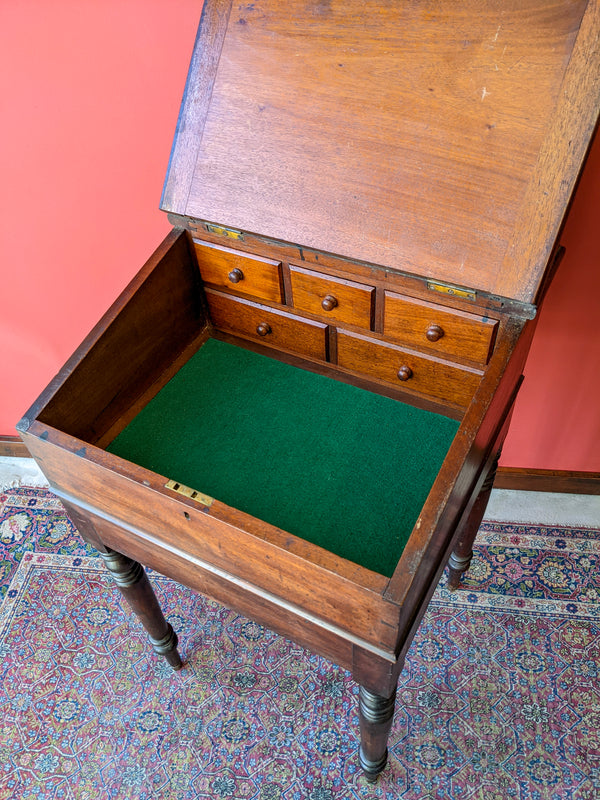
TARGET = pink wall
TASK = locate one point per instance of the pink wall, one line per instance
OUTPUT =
(556, 424)
(90, 94)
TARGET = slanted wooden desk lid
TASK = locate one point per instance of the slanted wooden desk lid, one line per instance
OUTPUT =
(441, 139)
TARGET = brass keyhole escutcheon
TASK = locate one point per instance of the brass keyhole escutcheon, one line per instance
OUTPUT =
(263, 329)
(236, 275)
(405, 373)
(329, 302)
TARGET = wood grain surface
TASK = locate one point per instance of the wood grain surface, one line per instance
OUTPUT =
(463, 335)
(235, 271)
(402, 134)
(271, 326)
(334, 298)
(428, 375)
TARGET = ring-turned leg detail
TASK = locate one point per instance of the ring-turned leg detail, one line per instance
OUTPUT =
(376, 714)
(457, 565)
(135, 587)
(459, 561)
(167, 646)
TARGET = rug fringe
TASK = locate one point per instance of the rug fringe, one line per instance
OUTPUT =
(16, 473)
(18, 483)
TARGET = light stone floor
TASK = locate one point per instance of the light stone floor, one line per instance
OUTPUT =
(505, 506)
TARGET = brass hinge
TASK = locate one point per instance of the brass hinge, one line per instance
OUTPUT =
(199, 497)
(455, 291)
(229, 233)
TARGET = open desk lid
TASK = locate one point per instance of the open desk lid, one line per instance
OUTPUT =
(437, 137)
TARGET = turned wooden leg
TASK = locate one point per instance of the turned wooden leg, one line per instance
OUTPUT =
(462, 554)
(135, 587)
(376, 714)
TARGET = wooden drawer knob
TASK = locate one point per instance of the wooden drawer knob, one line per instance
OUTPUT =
(405, 373)
(236, 275)
(263, 329)
(329, 302)
(434, 332)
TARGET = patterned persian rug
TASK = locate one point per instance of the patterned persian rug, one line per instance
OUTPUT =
(500, 696)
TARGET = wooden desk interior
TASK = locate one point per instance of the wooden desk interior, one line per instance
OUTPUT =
(337, 465)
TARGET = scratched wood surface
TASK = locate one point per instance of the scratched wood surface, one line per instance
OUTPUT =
(402, 134)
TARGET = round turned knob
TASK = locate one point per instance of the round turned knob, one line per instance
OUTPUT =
(405, 373)
(329, 302)
(236, 275)
(263, 329)
(434, 332)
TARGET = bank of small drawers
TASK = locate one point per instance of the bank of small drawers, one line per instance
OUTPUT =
(434, 350)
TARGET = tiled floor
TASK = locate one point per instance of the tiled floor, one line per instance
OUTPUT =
(505, 505)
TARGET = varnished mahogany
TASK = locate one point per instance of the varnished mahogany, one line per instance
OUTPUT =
(369, 191)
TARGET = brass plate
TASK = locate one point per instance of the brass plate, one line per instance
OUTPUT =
(186, 491)
(229, 233)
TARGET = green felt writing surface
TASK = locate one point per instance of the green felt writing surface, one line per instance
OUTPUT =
(336, 465)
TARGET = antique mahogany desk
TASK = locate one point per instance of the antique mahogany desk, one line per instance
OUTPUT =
(297, 405)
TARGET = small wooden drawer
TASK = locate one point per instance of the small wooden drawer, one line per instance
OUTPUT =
(406, 369)
(239, 272)
(268, 325)
(339, 300)
(450, 332)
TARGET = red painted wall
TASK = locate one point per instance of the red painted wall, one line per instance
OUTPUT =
(90, 93)
(556, 424)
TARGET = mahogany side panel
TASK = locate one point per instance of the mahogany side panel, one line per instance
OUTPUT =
(235, 593)
(460, 478)
(169, 525)
(154, 319)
